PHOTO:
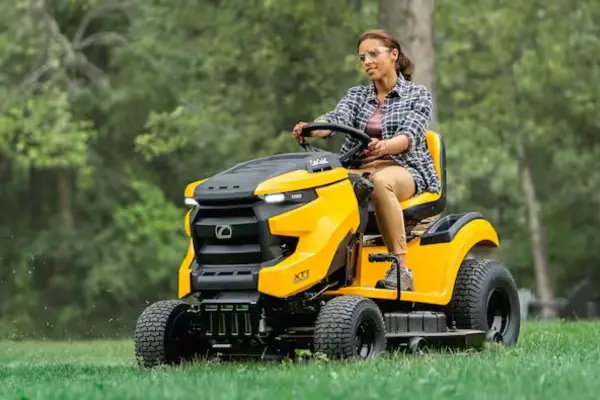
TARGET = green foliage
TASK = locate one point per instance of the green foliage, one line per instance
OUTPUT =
(42, 133)
(523, 74)
(137, 255)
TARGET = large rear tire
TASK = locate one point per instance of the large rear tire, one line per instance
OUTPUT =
(350, 327)
(486, 298)
(165, 334)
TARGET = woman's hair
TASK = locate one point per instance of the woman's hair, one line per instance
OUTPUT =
(404, 64)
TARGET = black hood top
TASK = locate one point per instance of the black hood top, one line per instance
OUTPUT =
(240, 181)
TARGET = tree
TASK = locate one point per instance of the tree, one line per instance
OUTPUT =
(412, 22)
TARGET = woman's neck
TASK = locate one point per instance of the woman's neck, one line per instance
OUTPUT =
(385, 84)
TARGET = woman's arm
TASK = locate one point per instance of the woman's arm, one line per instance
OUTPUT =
(342, 114)
(410, 132)
(413, 126)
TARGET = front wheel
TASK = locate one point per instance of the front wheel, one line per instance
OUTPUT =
(350, 327)
(165, 334)
(486, 298)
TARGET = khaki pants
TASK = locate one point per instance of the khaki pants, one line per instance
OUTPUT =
(393, 184)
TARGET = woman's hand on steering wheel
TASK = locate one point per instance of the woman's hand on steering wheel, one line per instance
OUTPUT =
(376, 148)
(297, 132)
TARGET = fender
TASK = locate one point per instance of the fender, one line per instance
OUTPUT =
(447, 228)
(438, 254)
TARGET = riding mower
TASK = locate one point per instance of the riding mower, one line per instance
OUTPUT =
(278, 261)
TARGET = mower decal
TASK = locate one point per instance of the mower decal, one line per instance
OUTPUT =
(301, 276)
(314, 162)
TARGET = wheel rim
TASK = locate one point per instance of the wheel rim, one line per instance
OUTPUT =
(498, 311)
(180, 335)
(365, 339)
(418, 346)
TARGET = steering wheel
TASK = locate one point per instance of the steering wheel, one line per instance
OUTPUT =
(349, 158)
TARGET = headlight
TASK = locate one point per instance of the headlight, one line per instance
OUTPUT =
(275, 198)
(190, 202)
(301, 196)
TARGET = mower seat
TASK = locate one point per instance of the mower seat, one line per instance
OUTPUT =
(426, 204)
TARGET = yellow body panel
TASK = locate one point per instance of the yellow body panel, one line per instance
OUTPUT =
(186, 223)
(184, 286)
(301, 179)
(320, 228)
(434, 266)
(189, 189)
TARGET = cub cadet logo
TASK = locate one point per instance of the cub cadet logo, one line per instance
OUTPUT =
(317, 161)
(223, 231)
(301, 276)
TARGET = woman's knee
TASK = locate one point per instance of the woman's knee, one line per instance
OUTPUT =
(382, 190)
(382, 182)
(396, 180)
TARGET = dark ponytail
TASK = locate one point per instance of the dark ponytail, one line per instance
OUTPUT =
(404, 65)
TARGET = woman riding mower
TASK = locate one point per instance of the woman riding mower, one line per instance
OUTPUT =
(395, 112)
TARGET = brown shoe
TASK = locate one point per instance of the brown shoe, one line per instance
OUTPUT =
(391, 279)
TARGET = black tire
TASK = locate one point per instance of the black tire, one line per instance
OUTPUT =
(418, 345)
(164, 334)
(350, 327)
(486, 298)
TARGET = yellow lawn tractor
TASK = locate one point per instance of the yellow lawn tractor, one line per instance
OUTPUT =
(284, 254)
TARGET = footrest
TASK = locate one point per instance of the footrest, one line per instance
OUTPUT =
(382, 257)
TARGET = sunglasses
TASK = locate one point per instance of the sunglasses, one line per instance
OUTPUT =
(373, 53)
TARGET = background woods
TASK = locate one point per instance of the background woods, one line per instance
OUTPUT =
(108, 109)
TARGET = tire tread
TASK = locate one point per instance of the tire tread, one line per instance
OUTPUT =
(334, 326)
(466, 303)
(151, 332)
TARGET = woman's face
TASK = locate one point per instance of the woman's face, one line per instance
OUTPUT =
(376, 59)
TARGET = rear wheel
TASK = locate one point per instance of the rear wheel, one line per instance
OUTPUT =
(486, 298)
(165, 334)
(350, 327)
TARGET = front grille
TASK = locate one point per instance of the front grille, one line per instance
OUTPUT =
(232, 235)
(227, 235)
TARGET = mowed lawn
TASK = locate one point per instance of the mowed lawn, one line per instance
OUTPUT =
(552, 361)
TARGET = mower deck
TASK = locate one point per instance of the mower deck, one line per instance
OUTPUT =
(232, 335)
(384, 294)
(411, 342)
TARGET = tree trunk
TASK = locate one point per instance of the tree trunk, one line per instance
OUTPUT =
(412, 22)
(64, 199)
(356, 4)
(545, 288)
(57, 280)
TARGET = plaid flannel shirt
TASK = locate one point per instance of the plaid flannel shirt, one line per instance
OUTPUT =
(406, 110)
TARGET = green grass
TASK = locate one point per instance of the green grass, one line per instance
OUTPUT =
(552, 361)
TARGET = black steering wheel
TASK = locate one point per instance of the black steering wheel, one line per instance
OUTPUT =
(349, 158)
